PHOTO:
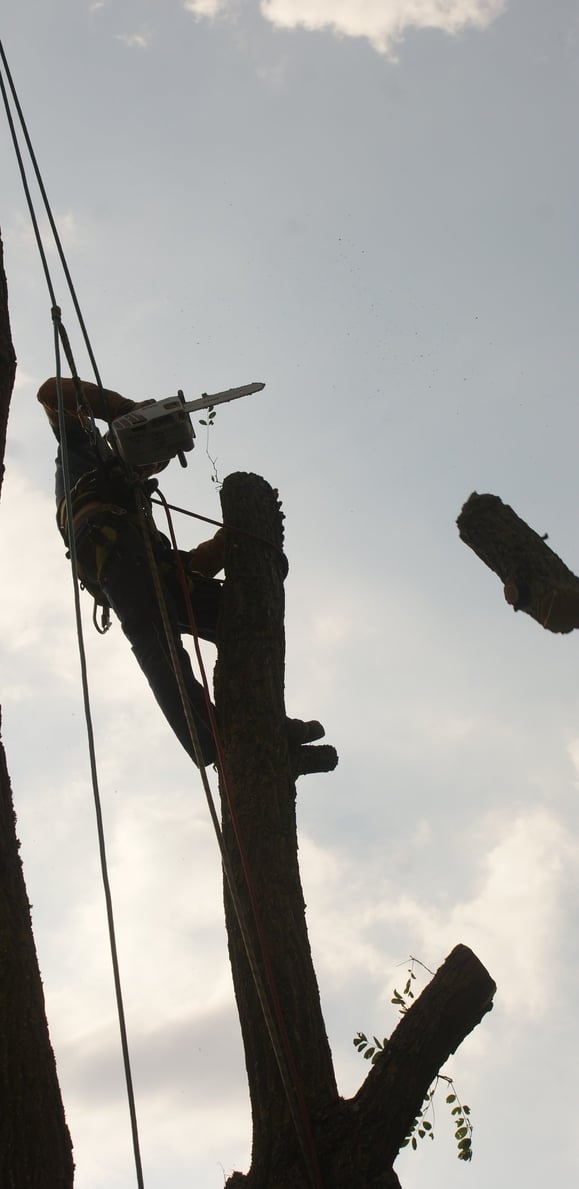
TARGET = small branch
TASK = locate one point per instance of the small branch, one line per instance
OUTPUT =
(456, 1000)
(535, 580)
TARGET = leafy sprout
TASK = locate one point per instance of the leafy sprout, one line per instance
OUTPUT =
(423, 1125)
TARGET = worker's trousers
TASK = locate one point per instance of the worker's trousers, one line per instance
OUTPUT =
(112, 556)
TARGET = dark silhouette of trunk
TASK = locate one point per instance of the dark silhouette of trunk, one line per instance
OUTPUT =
(534, 579)
(304, 1133)
(35, 1148)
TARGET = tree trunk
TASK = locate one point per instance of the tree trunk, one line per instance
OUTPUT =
(249, 682)
(304, 1134)
(535, 580)
(35, 1148)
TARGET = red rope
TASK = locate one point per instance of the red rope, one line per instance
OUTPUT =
(257, 919)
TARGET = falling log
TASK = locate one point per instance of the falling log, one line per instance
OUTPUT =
(534, 578)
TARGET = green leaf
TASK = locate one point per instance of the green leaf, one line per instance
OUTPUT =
(450, 1098)
(460, 1134)
(427, 1125)
(414, 1143)
(369, 1052)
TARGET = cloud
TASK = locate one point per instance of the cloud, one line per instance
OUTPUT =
(513, 918)
(138, 41)
(25, 513)
(73, 235)
(205, 8)
(573, 750)
(382, 22)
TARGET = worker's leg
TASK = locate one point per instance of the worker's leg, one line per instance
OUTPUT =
(126, 581)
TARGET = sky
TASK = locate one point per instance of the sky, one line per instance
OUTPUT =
(371, 206)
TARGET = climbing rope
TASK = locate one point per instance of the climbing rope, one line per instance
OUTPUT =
(244, 532)
(270, 1003)
(94, 774)
(50, 218)
(61, 339)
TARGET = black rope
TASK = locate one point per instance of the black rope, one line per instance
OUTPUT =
(53, 227)
(61, 338)
(230, 528)
(94, 772)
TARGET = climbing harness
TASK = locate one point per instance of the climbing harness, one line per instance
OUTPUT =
(131, 440)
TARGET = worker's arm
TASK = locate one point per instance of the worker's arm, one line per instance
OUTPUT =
(208, 557)
(103, 403)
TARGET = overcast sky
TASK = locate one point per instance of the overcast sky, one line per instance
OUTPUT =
(372, 206)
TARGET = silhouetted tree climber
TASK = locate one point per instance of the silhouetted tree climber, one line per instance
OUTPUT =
(114, 565)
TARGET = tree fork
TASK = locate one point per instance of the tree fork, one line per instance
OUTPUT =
(357, 1140)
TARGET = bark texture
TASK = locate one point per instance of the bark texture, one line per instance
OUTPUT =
(35, 1147)
(354, 1142)
(534, 578)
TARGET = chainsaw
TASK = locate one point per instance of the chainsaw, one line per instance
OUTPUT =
(162, 429)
